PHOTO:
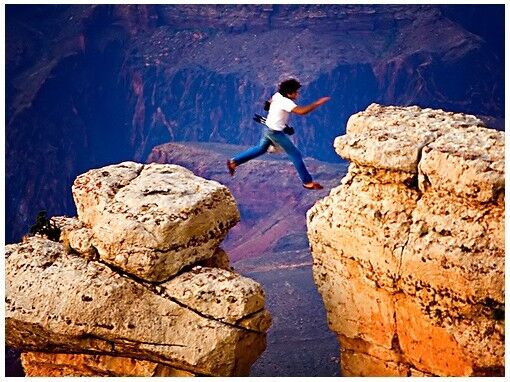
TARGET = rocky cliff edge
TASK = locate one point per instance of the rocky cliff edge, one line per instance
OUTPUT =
(409, 249)
(137, 284)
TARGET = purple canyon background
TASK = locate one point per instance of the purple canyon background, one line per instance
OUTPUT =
(91, 85)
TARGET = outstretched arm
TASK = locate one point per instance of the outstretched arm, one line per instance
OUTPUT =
(302, 110)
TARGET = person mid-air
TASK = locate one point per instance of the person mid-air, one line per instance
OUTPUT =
(281, 104)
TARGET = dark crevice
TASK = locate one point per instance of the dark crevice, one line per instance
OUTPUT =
(489, 371)
(248, 316)
(157, 344)
(208, 317)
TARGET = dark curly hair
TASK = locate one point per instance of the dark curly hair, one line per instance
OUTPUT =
(289, 86)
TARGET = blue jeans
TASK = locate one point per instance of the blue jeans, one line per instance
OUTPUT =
(282, 140)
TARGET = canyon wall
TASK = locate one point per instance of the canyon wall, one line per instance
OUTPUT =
(409, 249)
(137, 284)
(91, 85)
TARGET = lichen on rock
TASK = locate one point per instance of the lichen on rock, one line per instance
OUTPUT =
(409, 249)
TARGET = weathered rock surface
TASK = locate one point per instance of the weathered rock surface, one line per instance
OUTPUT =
(409, 249)
(392, 137)
(218, 293)
(76, 237)
(153, 220)
(64, 298)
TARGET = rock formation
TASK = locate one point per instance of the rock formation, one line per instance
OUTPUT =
(87, 365)
(409, 249)
(178, 218)
(137, 285)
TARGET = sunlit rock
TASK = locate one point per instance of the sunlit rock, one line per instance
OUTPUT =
(75, 312)
(409, 249)
(153, 220)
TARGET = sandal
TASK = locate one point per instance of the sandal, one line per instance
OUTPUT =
(313, 186)
(231, 167)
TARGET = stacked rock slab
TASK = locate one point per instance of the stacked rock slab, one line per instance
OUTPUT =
(409, 249)
(137, 285)
(153, 220)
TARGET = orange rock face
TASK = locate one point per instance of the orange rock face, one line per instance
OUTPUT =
(86, 365)
(429, 347)
(409, 249)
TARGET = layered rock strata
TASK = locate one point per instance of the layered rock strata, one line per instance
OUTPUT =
(409, 249)
(137, 285)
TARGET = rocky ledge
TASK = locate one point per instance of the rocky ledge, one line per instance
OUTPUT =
(137, 284)
(409, 249)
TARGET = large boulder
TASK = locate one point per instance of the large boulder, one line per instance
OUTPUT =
(153, 220)
(392, 137)
(74, 308)
(409, 249)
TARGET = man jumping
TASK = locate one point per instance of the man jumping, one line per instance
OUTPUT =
(282, 103)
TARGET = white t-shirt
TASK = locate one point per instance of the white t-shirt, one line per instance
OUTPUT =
(279, 112)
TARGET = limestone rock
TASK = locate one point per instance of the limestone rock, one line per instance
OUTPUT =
(392, 137)
(428, 346)
(137, 285)
(218, 293)
(367, 217)
(355, 307)
(96, 189)
(153, 220)
(453, 272)
(468, 163)
(62, 303)
(362, 365)
(218, 260)
(76, 237)
(409, 249)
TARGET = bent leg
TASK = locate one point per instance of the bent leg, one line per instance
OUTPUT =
(295, 156)
(252, 152)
